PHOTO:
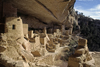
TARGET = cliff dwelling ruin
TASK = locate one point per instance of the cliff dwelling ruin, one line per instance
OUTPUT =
(43, 46)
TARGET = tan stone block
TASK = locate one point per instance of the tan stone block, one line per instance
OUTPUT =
(30, 34)
(51, 50)
(43, 41)
(44, 30)
(72, 63)
(37, 44)
(25, 29)
(14, 27)
(32, 40)
(80, 51)
(76, 59)
(63, 29)
(82, 42)
(70, 31)
(67, 33)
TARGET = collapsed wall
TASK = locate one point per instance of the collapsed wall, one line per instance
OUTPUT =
(82, 57)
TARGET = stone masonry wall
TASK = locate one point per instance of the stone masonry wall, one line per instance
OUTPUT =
(14, 27)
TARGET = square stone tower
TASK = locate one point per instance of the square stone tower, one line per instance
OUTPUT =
(14, 27)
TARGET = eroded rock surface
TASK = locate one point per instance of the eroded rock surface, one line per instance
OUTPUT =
(48, 44)
(47, 13)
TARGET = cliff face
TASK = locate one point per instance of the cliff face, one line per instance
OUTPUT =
(49, 47)
(52, 10)
(43, 12)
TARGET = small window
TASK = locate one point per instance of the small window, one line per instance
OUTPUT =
(18, 19)
(13, 27)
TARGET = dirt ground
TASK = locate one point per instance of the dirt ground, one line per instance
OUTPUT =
(96, 56)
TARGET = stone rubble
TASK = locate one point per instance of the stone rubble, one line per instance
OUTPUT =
(81, 57)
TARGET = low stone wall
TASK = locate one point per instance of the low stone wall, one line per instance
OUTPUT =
(82, 57)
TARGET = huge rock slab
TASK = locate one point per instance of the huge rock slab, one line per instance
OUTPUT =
(43, 12)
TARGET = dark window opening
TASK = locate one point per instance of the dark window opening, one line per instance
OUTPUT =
(13, 27)
(66, 28)
(18, 19)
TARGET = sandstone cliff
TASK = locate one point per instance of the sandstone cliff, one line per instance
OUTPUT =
(49, 41)
(46, 13)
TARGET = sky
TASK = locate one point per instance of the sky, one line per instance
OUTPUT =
(88, 8)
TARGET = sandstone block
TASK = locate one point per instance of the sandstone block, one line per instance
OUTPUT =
(43, 41)
(82, 42)
(44, 30)
(67, 32)
(30, 34)
(80, 51)
(73, 64)
(25, 29)
(76, 59)
(14, 27)
(70, 31)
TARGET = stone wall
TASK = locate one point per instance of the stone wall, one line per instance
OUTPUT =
(14, 27)
(25, 29)
(81, 57)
